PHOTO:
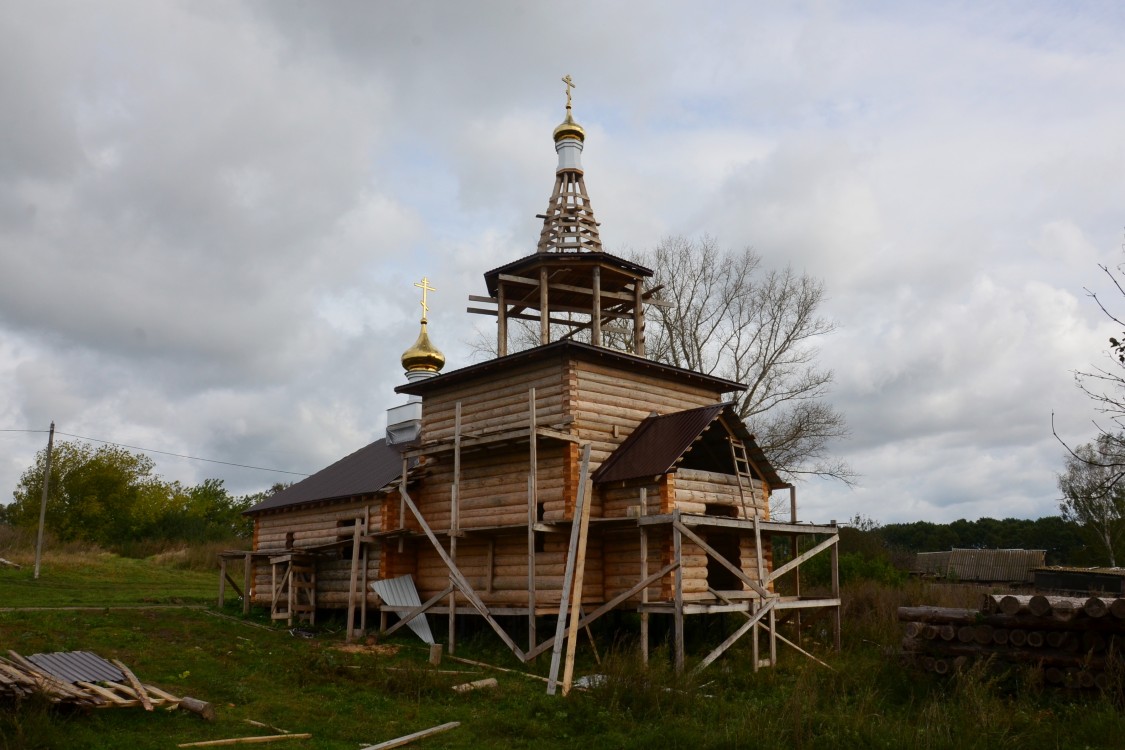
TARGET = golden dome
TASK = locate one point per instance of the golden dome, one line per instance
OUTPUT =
(423, 356)
(568, 128)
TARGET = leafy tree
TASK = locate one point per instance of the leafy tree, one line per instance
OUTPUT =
(1063, 540)
(1093, 493)
(110, 496)
(100, 495)
(730, 318)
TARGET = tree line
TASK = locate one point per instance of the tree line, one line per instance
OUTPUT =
(110, 496)
(1065, 542)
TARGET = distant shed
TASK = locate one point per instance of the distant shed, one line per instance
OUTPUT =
(1080, 580)
(931, 564)
(981, 565)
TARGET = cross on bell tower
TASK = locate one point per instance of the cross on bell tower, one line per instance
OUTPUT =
(570, 285)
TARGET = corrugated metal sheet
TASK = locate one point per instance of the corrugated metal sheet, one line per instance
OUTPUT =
(657, 443)
(1008, 565)
(368, 470)
(1013, 565)
(653, 447)
(931, 563)
(1118, 572)
(76, 666)
(401, 592)
(1084, 580)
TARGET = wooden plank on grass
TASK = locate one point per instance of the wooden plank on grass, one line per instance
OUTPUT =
(246, 740)
(138, 688)
(406, 739)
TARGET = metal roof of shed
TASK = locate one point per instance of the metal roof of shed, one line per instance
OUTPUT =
(368, 470)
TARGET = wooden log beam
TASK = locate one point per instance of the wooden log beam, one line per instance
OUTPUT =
(134, 683)
(247, 740)
(608, 606)
(778, 572)
(971, 617)
(722, 560)
(730, 641)
(407, 739)
(579, 511)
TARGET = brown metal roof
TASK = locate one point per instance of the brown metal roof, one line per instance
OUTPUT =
(560, 261)
(656, 445)
(368, 470)
(572, 349)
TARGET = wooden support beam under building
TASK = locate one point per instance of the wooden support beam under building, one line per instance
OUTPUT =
(532, 515)
(568, 577)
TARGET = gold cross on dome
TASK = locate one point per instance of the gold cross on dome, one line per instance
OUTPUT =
(425, 287)
(569, 85)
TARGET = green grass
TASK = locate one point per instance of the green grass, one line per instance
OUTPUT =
(103, 579)
(347, 699)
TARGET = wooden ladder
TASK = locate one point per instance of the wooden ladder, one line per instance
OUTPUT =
(742, 470)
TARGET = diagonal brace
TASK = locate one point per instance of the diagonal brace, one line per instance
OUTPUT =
(722, 647)
(420, 609)
(723, 561)
(612, 603)
(778, 572)
(455, 576)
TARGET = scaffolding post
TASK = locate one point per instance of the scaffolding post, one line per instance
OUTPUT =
(532, 517)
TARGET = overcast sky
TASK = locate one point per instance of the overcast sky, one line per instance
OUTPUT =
(212, 214)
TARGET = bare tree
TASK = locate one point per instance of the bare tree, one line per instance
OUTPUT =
(732, 319)
(1105, 384)
(729, 318)
(1093, 495)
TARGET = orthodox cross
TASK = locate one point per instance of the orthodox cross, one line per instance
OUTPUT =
(425, 287)
(569, 85)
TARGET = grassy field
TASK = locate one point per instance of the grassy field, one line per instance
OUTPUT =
(349, 698)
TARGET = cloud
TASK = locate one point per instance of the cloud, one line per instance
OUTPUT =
(211, 216)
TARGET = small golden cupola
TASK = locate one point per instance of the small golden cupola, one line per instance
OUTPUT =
(422, 360)
(568, 128)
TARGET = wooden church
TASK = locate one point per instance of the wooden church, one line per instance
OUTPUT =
(549, 485)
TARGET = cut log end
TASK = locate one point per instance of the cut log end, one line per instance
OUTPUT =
(203, 709)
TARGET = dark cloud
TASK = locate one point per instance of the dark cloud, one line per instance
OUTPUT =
(211, 215)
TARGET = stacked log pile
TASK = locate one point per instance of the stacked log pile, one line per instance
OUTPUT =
(1072, 639)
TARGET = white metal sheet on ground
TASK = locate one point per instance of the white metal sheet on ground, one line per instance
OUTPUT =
(401, 592)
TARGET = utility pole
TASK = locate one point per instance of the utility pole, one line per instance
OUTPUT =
(43, 503)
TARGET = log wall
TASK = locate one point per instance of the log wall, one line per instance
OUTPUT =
(607, 398)
(493, 487)
(308, 527)
(504, 584)
(498, 403)
(696, 489)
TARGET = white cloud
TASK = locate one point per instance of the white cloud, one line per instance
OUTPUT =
(211, 216)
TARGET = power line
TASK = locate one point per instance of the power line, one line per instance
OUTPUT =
(166, 453)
